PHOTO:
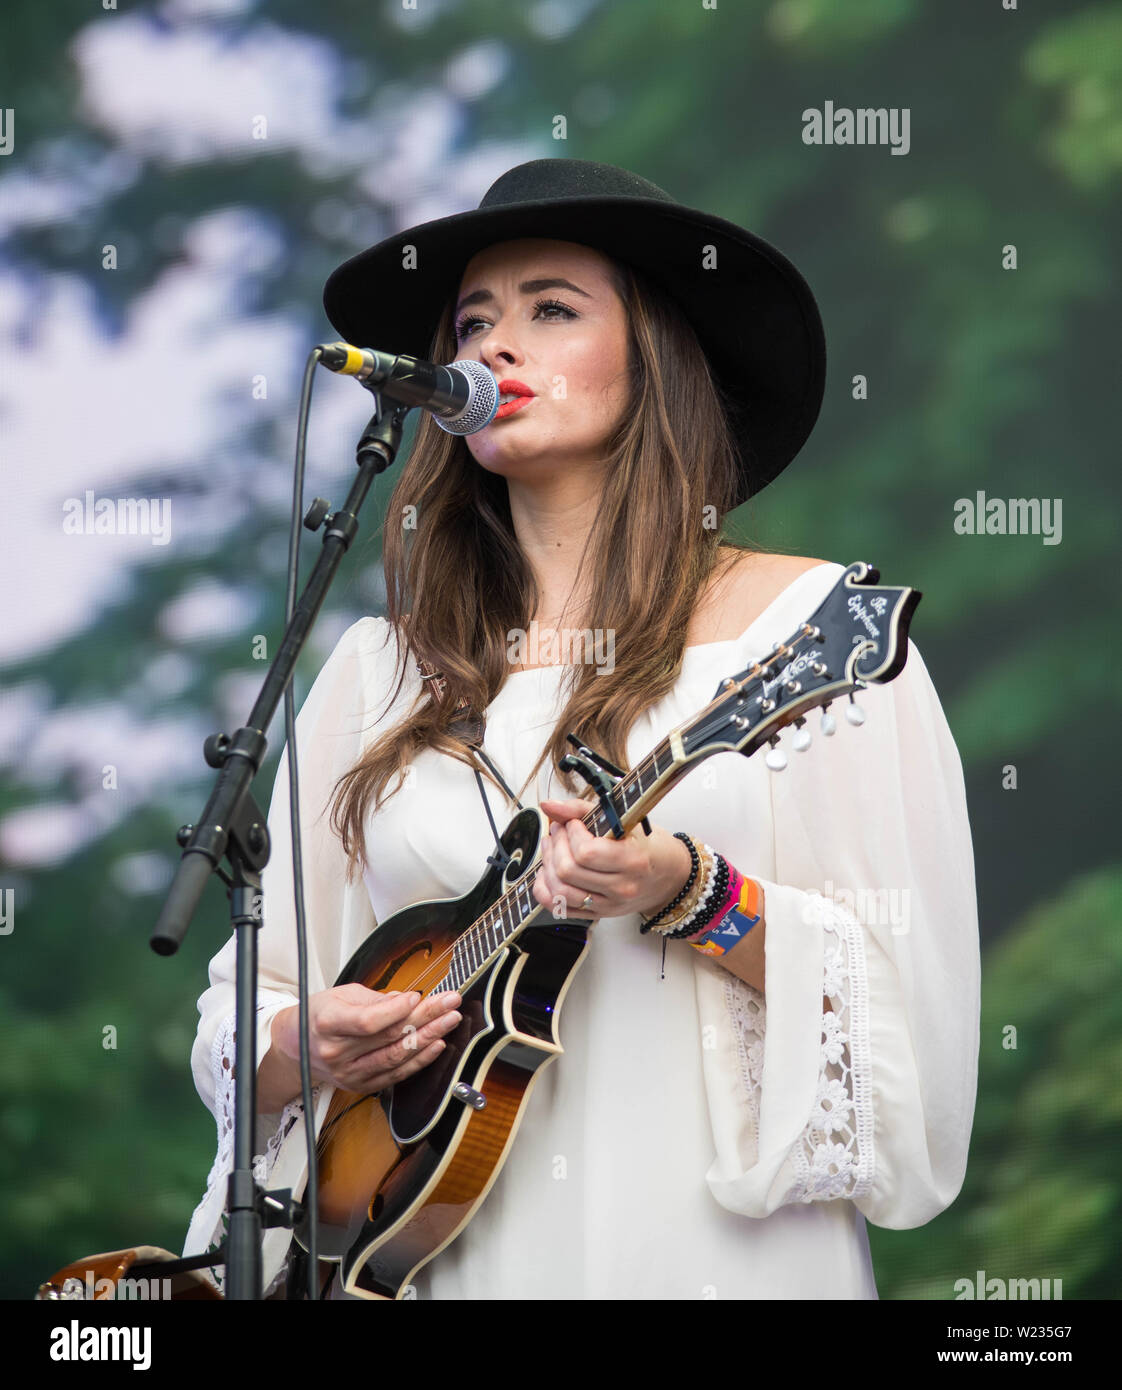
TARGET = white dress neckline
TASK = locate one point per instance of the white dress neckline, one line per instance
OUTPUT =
(704, 646)
(698, 651)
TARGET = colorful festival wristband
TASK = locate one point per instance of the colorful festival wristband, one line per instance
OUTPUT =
(734, 924)
(732, 895)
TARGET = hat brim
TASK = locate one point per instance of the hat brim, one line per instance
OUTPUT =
(753, 312)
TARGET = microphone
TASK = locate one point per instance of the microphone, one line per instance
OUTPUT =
(462, 397)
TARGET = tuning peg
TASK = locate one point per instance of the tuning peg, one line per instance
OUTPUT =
(854, 713)
(801, 741)
(776, 759)
(828, 724)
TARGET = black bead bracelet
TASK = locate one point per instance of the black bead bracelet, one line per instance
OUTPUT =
(706, 915)
(695, 867)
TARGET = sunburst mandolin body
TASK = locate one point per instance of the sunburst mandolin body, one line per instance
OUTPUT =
(403, 1171)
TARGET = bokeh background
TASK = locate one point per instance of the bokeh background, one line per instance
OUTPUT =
(178, 180)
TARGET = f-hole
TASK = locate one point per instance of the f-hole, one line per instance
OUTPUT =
(513, 865)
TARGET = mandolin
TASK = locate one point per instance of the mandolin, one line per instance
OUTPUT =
(402, 1171)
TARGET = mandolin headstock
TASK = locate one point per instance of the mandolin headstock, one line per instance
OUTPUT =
(858, 634)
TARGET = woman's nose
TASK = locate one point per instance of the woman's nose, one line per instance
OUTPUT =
(499, 363)
(497, 344)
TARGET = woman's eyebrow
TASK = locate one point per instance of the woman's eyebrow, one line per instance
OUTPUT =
(526, 287)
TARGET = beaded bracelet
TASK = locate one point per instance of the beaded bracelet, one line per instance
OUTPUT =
(713, 894)
(716, 903)
(687, 911)
(681, 912)
(711, 881)
(701, 901)
(695, 866)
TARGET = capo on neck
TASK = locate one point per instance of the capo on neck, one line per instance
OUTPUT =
(594, 767)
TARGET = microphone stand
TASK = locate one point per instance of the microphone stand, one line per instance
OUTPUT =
(232, 826)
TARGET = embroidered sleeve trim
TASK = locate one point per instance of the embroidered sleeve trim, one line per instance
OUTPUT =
(222, 1065)
(834, 1156)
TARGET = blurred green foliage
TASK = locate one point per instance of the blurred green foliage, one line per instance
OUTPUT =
(1041, 1197)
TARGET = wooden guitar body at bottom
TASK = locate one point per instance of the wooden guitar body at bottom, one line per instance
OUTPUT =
(402, 1172)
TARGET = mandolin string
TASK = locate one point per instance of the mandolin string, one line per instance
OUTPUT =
(494, 912)
(493, 915)
(702, 724)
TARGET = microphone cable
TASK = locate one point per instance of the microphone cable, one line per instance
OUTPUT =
(311, 1187)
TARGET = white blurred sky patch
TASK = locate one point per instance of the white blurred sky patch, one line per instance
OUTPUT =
(423, 16)
(419, 127)
(171, 394)
(554, 19)
(193, 94)
(147, 756)
(546, 19)
(46, 835)
(59, 182)
(21, 709)
(167, 675)
(151, 759)
(456, 185)
(478, 69)
(174, 11)
(143, 873)
(207, 612)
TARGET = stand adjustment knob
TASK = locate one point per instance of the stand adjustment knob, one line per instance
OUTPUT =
(313, 517)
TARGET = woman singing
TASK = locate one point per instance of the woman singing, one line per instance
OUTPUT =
(731, 1106)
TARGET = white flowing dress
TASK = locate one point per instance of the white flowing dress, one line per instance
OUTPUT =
(696, 1139)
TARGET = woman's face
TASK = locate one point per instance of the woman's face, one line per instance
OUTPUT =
(566, 342)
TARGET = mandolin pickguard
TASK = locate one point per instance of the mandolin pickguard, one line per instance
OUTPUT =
(415, 1104)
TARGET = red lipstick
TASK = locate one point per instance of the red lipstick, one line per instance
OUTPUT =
(507, 387)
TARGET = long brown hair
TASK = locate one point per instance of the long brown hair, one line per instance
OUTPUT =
(454, 565)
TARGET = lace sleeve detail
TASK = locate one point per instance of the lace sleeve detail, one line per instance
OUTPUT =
(834, 1155)
(222, 1063)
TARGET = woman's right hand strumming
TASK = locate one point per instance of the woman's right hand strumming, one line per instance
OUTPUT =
(360, 1040)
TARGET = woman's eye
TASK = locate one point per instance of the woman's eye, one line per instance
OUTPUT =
(551, 306)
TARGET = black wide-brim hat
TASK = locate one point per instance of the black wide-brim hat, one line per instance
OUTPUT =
(753, 312)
